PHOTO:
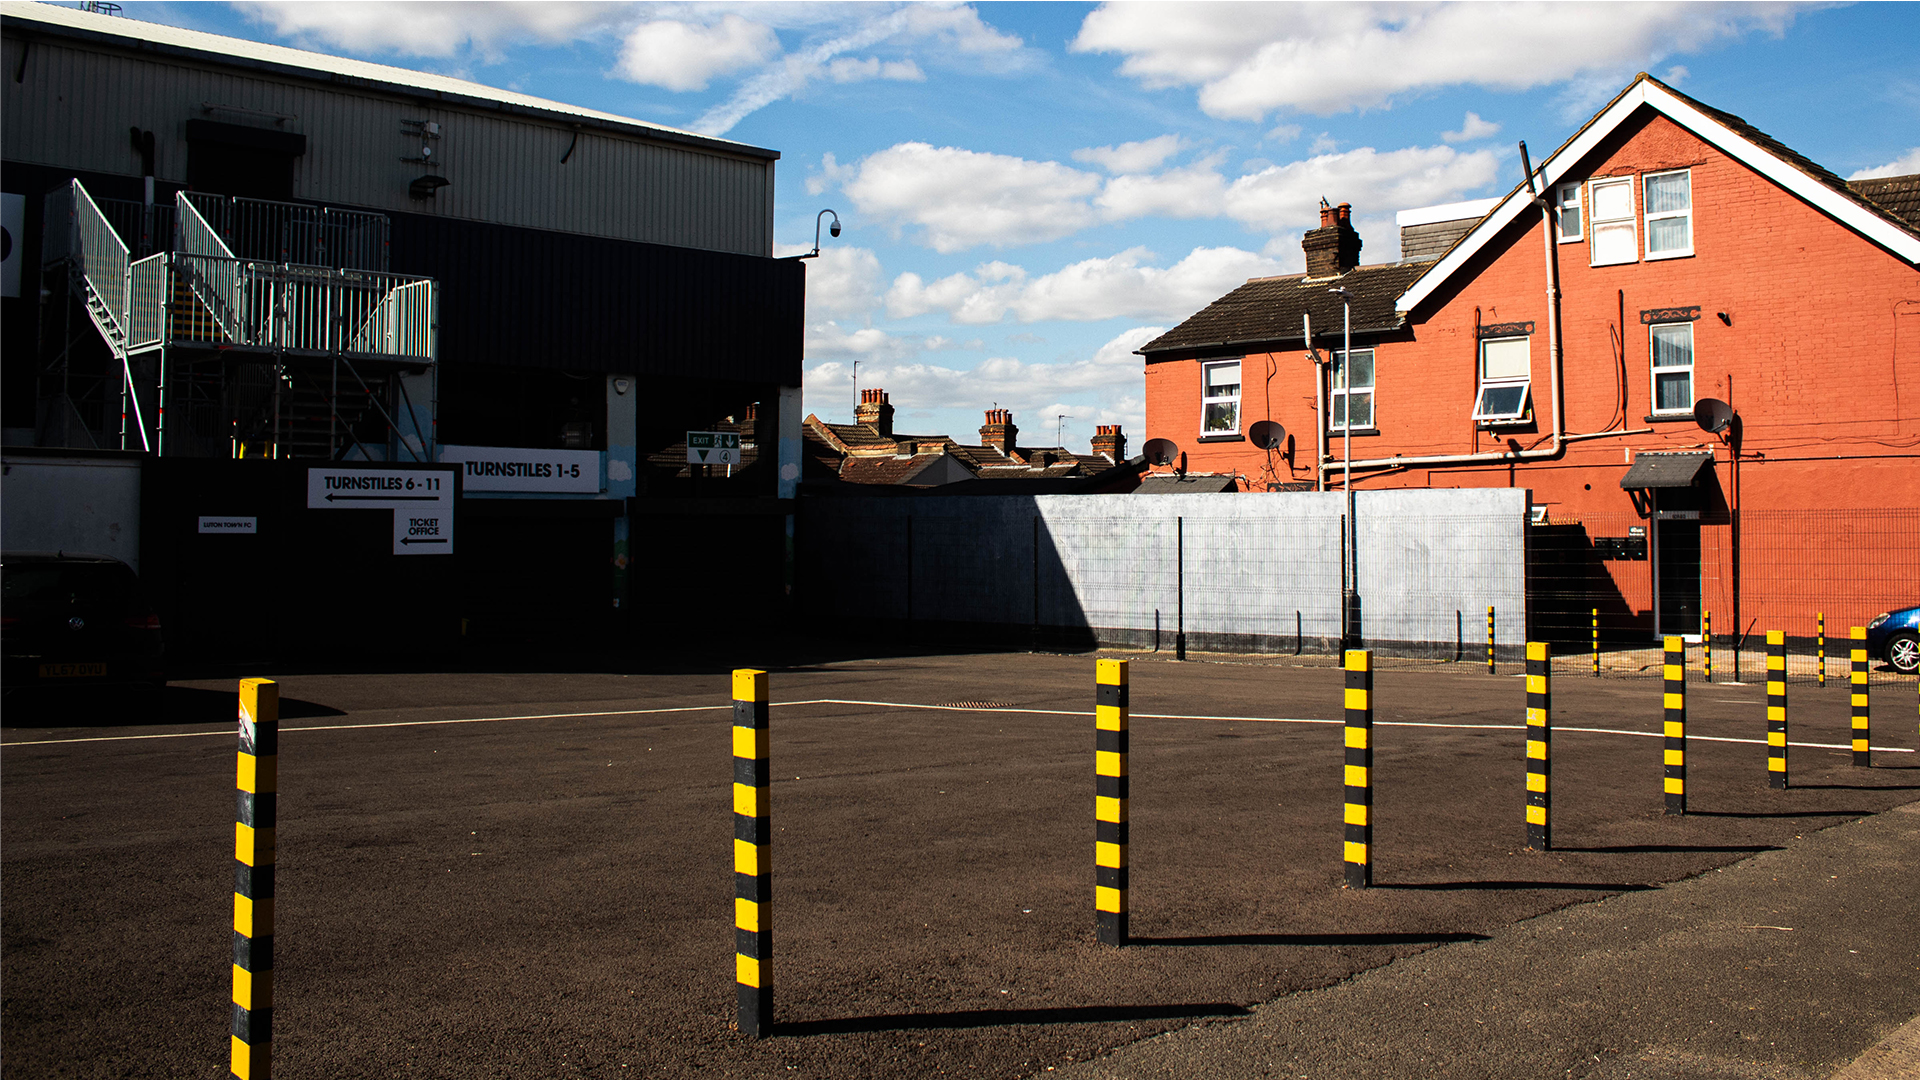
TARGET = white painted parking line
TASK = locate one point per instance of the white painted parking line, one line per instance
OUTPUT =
(285, 731)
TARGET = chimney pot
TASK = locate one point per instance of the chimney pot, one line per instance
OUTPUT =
(1333, 248)
(1109, 442)
(875, 411)
(999, 431)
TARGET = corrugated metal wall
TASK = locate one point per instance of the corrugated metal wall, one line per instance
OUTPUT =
(72, 108)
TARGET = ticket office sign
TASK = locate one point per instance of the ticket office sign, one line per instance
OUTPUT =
(420, 501)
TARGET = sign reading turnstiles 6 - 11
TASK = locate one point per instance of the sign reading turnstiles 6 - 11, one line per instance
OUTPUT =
(421, 501)
(713, 448)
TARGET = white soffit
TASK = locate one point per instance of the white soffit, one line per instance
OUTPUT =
(1735, 145)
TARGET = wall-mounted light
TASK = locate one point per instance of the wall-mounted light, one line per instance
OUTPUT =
(834, 230)
(424, 187)
(620, 386)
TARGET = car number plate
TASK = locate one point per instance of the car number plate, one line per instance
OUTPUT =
(73, 671)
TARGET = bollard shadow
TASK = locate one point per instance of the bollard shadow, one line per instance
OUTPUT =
(1856, 787)
(1307, 939)
(1671, 849)
(1788, 814)
(1571, 886)
(972, 1018)
(103, 707)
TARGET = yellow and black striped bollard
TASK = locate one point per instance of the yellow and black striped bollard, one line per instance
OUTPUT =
(1776, 709)
(1490, 668)
(1110, 802)
(752, 854)
(1706, 643)
(1862, 719)
(258, 783)
(1596, 643)
(1359, 768)
(1675, 727)
(1539, 746)
(1820, 632)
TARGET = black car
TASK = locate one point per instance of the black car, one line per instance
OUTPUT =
(74, 621)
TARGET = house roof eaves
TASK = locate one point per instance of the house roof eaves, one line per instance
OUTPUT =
(1649, 91)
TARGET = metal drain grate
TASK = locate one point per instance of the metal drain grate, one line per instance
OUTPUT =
(975, 705)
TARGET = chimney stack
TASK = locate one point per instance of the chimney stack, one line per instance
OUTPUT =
(1109, 442)
(875, 411)
(1333, 248)
(999, 432)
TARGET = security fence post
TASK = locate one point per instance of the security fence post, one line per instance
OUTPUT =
(254, 846)
(1110, 711)
(1539, 746)
(752, 855)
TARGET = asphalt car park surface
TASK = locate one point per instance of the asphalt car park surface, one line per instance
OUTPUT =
(528, 872)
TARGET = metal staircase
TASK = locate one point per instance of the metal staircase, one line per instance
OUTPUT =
(207, 313)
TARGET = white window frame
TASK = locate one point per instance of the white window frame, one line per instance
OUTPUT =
(1233, 399)
(1595, 223)
(1337, 396)
(1522, 412)
(1567, 200)
(1654, 371)
(1649, 217)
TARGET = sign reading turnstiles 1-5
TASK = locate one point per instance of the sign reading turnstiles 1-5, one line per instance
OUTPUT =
(713, 448)
(421, 501)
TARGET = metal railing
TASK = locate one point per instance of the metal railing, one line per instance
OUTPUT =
(149, 286)
(314, 309)
(295, 233)
(101, 261)
(142, 233)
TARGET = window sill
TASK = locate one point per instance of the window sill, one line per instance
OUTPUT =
(1669, 418)
(1664, 255)
(1221, 438)
(1360, 431)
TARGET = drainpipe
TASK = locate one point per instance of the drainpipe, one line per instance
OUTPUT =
(1319, 405)
(1560, 436)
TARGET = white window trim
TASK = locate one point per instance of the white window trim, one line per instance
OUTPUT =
(1567, 196)
(1593, 221)
(1646, 220)
(1523, 413)
(1235, 397)
(1654, 373)
(1335, 391)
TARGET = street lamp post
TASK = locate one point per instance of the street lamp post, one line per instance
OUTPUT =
(1349, 584)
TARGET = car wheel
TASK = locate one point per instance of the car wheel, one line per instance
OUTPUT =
(1903, 652)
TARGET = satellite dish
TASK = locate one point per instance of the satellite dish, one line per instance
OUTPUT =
(1267, 435)
(1713, 415)
(1160, 451)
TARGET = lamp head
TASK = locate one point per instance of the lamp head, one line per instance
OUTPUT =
(834, 229)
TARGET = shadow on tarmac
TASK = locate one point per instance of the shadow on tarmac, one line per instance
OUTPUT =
(1858, 787)
(1089, 1014)
(1307, 939)
(1575, 886)
(91, 707)
(1798, 813)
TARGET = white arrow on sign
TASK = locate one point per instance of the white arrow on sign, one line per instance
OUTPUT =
(420, 500)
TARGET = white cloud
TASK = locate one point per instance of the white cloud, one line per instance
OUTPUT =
(1133, 157)
(962, 198)
(1676, 74)
(1193, 192)
(1904, 165)
(1120, 286)
(1249, 60)
(1288, 196)
(943, 31)
(844, 282)
(847, 70)
(1472, 128)
(436, 30)
(1285, 133)
(1034, 391)
(687, 56)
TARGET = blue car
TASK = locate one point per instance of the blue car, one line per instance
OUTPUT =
(1894, 636)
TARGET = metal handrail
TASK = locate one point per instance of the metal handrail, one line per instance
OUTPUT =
(148, 287)
(318, 310)
(101, 257)
(297, 233)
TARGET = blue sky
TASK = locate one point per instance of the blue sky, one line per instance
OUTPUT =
(1031, 191)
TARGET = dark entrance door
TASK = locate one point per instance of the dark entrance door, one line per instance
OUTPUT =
(1676, 546)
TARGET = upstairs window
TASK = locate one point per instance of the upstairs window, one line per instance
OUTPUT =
(1671, 346)
(1220, 398)
(1610, 202)
(1506, 376)
(1355, 400)
(1668, 199)
(1566, 211)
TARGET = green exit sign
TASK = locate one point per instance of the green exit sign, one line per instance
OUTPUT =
(713, 448)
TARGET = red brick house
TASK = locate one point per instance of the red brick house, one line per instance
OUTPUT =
(1691, 259)
(868, 452)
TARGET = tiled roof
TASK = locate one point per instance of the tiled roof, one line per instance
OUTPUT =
(1267, 310)
(885, 470)
(859, 454)
(1897, 195)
